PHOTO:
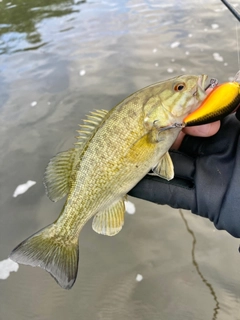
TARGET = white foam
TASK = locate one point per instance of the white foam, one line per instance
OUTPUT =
(170, 70)
(156, 64)
(33, 104)
(154, 50)
(183, 69)
(7, 266)
(187, 53)
(175, 44)
(22, 188)
(215, 26)
(82, 72)
(139, 277)
(217, 56)
(130, 207)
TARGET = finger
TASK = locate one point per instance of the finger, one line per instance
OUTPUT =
(205, 130)
(178, 141)
(184, 166)
(225, 139)
(177, 193)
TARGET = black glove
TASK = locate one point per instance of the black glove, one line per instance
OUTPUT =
(207, 178)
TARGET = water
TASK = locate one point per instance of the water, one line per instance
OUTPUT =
(59, 59)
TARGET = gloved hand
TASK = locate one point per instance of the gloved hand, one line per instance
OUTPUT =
(207, 178)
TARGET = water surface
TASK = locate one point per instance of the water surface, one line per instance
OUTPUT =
(59, 60)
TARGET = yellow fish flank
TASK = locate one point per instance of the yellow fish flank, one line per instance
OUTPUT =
(113, 152)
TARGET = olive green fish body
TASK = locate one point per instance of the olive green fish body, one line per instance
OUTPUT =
(119, 155)
(114, 150)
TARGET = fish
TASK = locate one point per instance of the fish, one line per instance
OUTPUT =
(221, 101)
(114, 150)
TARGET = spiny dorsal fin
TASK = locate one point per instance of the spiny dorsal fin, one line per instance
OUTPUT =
(164, 168)
(57, 175)
(89, 127)
(110, 221)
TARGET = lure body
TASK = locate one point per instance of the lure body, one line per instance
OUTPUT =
(220, 102)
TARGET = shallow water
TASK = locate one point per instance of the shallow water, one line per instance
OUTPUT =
(58, 60)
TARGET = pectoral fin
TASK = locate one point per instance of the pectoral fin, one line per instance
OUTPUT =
(57, 175)
(164, 168)
(110, 221)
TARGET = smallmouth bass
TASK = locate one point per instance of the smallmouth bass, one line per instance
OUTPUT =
(113, 152)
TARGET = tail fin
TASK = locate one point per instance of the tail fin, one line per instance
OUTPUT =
(50, 251)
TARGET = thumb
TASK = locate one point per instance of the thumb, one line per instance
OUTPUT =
(205, 130)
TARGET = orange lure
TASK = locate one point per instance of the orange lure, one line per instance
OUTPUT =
(224, 99)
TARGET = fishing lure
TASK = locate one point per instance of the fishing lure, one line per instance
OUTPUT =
(220, 102)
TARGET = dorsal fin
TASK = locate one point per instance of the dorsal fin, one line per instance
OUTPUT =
(58, 172)
(90, 126)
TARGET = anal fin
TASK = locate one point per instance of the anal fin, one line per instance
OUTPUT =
(110, 221)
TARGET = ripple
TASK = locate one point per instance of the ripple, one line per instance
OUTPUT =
(70, 57)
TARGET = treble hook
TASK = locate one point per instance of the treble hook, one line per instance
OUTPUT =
(213, 83)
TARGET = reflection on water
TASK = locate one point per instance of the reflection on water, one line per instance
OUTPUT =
(19, 21)
(58, 61)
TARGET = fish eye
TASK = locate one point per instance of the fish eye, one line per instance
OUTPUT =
(180, 86)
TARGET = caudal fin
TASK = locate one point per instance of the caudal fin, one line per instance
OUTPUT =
(48, 250)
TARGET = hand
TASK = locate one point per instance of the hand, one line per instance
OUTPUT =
(205, 130)
(207, 176)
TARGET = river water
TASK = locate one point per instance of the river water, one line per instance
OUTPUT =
(59, 59)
